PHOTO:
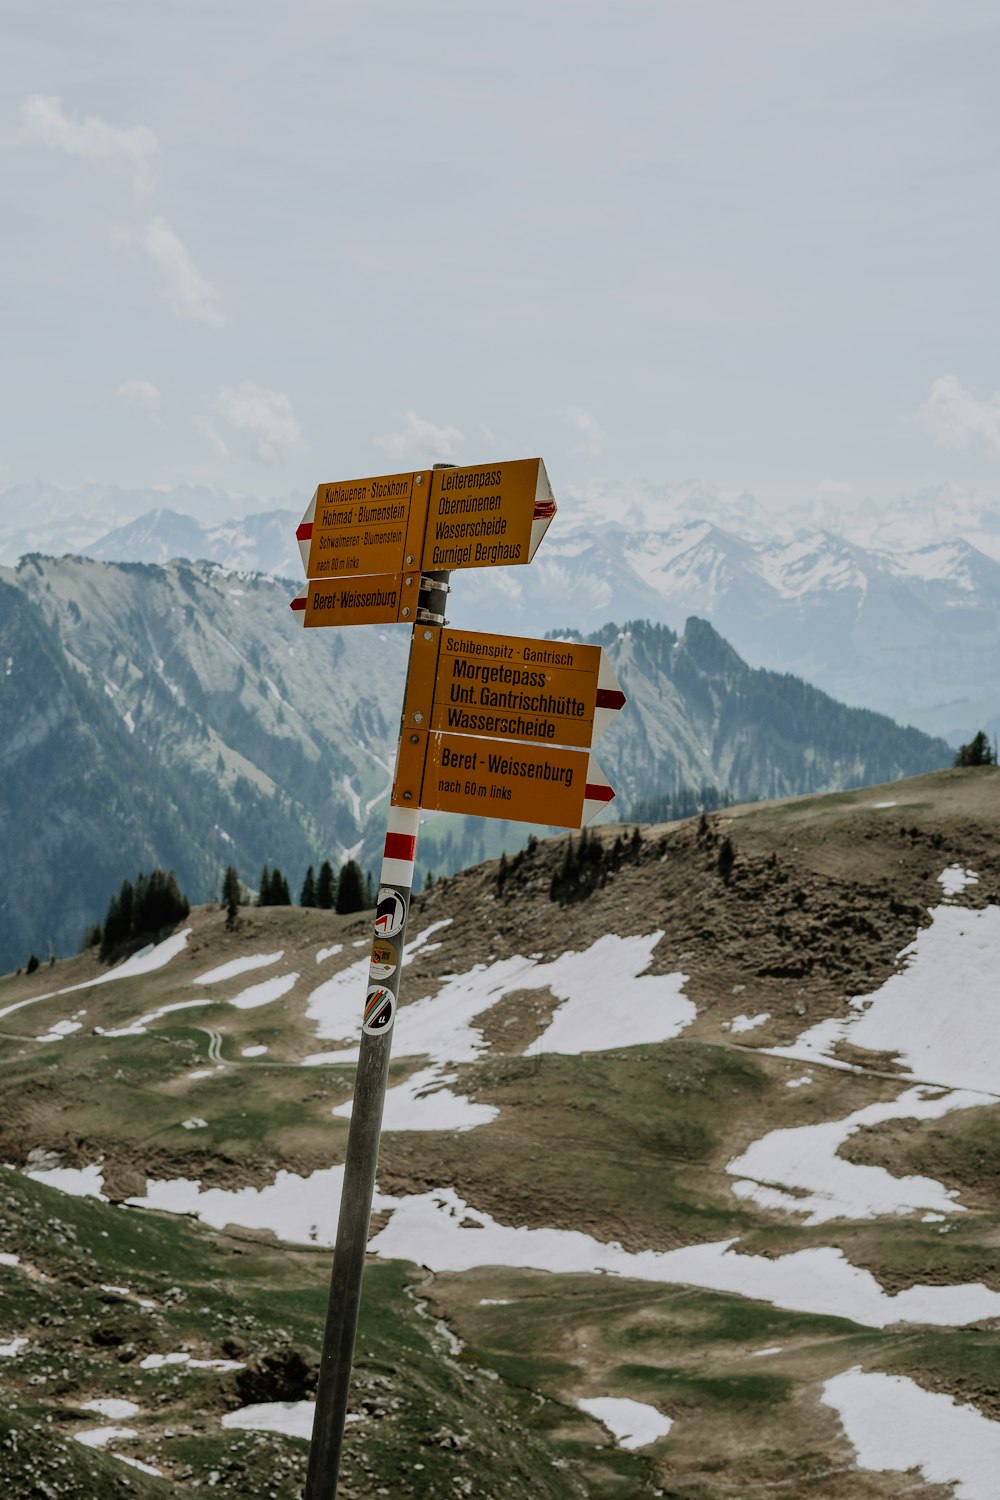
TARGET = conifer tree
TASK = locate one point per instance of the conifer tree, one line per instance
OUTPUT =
(231, 895)
(326, 887)
(280, 894)
(351, 889)
(978, 752)
(307, 895)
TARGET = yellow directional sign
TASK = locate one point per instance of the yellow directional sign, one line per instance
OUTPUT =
(483, 516)
(499, 779)
(479, 516)
(467, 682)
(501, 726)
(357, 527)
(382, 599)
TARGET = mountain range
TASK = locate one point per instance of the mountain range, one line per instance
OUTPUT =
(899, 612)
(179, 716)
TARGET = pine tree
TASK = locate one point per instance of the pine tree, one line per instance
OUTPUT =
(350, 889)
(231, 895)
(978, 752)
(307, 895)
(280, 894)
(326, 887)
(264, 889)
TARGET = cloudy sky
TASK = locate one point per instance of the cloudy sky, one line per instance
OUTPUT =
(262, 245)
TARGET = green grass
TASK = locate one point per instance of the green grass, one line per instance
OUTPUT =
(608, 1140)
(685, 1386)
(259, 1303)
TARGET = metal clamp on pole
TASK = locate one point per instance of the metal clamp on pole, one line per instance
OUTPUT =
(432, 599)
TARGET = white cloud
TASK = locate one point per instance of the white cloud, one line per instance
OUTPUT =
(589, 429)
(182, 286)
(141, 394)
(43, 123)
(958, 418)
(266, 415)
(208, 428)
(418, 441)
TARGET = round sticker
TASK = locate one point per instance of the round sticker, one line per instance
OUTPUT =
(390, 914)
(380, 1007)
(384, 959)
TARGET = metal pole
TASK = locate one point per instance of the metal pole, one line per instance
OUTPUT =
(362, 1154)
(388, 941)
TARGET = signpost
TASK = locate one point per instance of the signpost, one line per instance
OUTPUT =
(495, 725)
(376, 599)
(431, 520)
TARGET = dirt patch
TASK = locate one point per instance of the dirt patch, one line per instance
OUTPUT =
(961, 1150)
(518, 1020)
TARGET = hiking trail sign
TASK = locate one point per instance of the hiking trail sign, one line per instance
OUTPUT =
(499, 726)
(481, 516)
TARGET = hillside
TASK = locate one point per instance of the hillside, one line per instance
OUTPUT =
(893, 609)
(696, 1149)
(697, 714)
(179, 716)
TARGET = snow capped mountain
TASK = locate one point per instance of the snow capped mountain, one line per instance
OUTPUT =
(41, 517)
(262, 543)
(895, 609)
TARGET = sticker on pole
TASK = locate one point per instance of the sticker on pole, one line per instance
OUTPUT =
(384, 959)
(390, 914)
(380, 1007)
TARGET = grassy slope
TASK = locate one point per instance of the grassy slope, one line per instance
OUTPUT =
(628, 1145)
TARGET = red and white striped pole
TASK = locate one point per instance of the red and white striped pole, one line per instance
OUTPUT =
(381, 999)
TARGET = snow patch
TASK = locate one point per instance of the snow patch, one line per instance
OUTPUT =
(161, 1361)
(138, 1027)
(955, 880)
(265, 992)
(938, 1014)
(805, 1159)
(748, 1023)
(59, 1030)
(424, 1102)
(78, 1182)
(633, 1424)
(894, 1424)
(110, 1406)
(290, 1418)
(237, 966)
(428, 1228)
(99, 1437)
(348, 786)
